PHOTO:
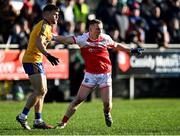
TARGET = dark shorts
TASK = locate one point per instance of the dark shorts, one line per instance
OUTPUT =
(33, 68)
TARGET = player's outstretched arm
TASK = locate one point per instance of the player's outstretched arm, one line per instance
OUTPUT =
(122, 47)
(64, 39)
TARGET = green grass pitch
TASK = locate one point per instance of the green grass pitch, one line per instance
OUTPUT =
(137, 117)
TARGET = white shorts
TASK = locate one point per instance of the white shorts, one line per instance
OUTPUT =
(92, 80)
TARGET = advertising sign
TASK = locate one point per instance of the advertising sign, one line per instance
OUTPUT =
(11, 65)
(152, 62)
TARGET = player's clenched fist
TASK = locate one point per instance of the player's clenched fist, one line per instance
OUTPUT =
(52, 59)
(137, 51)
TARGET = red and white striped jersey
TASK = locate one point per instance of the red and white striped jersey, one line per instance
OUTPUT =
(95, 53)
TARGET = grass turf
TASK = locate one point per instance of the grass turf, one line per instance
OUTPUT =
(137, 117)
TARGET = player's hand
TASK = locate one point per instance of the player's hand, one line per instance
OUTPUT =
(53, 37)
(137, 51)
(52, 59)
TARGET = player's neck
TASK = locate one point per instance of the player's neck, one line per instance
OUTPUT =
(93, 37)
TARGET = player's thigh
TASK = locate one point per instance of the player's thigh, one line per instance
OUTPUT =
(38, 82)
(89, 80)
(104, 80)
(106, 94)
(83, 92)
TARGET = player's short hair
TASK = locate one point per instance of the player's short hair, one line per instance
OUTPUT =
(95, 21)
(50, 7)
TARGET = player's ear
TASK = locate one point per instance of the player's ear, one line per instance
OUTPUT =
(45, 14)
(90, 28)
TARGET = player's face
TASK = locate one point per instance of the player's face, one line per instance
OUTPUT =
(53, 17)
(96, 29)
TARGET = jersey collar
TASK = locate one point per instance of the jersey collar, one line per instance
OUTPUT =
(96, 40)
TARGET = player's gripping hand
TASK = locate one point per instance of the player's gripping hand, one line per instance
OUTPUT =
(52, 59)
(137, 51)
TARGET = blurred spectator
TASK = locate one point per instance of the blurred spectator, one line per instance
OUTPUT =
(69, 29)
(67, 9)
(138, 21)
(122, 19)
(130, 2)
(147, 8)
(42, 3)
(174, 9)
(136, 35)
(163, 38)
(21, 34)
(137, 26)
(26, 11)
(174, 30)
(158, 29)
(153, 22)
(36, 16)
(31, 12)
(7, 19)
(164, 6)
(106, 11)
(80, 28)
(115, 34)
(61, 20)
(81, 11)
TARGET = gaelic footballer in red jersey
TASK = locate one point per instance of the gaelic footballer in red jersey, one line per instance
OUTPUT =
(94, 45)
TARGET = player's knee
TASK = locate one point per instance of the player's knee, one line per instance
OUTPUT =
(41, 92)
(106, 104)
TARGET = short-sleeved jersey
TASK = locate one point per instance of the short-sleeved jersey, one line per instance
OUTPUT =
(32, 54)
(95, 53)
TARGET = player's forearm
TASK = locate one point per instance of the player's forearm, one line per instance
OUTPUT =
(122, 47)
(63, 39)
(41, 48)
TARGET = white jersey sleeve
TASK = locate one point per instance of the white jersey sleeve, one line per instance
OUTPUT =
(81, 40)
(109, 41)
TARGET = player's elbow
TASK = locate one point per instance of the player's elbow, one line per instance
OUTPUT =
(38, 40)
